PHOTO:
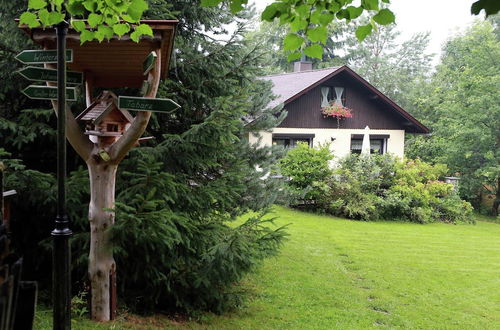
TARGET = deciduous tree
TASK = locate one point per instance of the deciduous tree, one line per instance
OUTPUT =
(461, 106)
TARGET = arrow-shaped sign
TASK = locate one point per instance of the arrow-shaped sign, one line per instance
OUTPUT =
(42, 56)
(146, 104)
(40, 74)
(48, 93)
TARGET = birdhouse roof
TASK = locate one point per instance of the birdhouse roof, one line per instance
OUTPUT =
(101, 107)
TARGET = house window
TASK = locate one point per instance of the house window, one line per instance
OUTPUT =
(335, 94)
(378, 144)
(291, 140)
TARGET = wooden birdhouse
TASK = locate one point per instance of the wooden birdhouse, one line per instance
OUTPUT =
(104, 121)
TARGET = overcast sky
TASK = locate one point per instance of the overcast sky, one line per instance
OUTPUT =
(442, 18)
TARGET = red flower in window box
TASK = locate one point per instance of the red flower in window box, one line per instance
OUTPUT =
(336, 111)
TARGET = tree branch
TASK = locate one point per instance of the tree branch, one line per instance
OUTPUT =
(79, 141)
(120, 148)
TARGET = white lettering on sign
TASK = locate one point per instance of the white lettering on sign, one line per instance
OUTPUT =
(139, 104)
(41, 57)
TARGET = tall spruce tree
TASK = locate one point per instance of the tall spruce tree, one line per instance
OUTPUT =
(176, 196)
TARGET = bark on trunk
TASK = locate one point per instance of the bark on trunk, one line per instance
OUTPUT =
(101, 262)
(496, 202)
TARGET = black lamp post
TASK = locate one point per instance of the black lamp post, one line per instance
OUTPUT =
(61, 254)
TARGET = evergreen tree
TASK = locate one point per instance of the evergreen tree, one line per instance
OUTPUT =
(175, 198)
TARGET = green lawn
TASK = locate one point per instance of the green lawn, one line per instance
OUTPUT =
(335, 273)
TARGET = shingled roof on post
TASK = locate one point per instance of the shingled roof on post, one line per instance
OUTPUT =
(117, 62)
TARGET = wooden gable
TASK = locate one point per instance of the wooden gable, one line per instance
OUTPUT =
(370, 107)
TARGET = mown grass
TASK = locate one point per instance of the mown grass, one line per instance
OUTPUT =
(340, 274)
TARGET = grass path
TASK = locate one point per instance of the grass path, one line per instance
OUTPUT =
(339, 274)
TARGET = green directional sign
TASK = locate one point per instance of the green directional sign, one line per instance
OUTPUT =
(146, 104)
(42, 56)
(40, 74)
(48, 93)
(149, 62)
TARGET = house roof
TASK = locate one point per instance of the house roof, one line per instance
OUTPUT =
(103, 104)
(290, 86)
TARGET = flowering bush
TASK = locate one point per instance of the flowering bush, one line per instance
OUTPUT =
(337, 111)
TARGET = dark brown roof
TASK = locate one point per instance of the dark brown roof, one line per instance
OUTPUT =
(117, 62)
(290, 86)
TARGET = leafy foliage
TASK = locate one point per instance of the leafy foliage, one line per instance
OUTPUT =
(355, 188)
(491, 7)
(270, 36)
(398, 69)
(94, 19)
(383, 187)
(418, 196)
(461, 106)
(308, 21)
(187, 261)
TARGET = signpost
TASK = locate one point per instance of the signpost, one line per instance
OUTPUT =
(61, 248)
(48, 93)
(35, 73)
(146, 104)
(61, 251)
(42, 56)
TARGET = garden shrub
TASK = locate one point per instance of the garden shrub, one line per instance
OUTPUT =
(305, 167)
(356, 185)
(382, 187)
(418, 196)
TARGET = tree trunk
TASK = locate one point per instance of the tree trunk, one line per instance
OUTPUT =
(102, 191)
(101, 262)
(496, 202)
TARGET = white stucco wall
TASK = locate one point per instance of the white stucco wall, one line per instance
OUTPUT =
(341, 145)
